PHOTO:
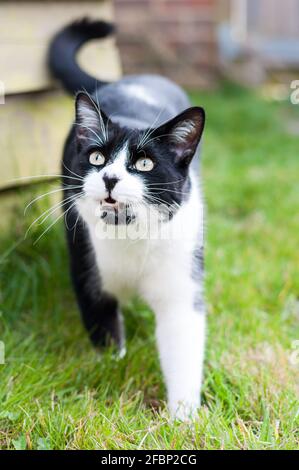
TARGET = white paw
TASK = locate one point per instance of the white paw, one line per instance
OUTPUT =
(120, 354)
(184, 411)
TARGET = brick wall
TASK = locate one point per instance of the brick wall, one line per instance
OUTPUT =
(175, 38)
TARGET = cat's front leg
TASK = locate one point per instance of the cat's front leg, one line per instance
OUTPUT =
(180, 336)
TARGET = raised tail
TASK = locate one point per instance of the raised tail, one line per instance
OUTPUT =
(63, 49)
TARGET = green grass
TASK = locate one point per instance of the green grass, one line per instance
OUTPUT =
(56, 393)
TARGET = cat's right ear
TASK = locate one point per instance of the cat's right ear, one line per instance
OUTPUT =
(90, 120)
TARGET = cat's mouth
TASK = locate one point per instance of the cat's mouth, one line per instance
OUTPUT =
(111, 204)
(110, 200)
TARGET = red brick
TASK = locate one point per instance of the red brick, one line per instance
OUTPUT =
(173, 37)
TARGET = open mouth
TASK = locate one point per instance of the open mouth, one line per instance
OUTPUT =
(110, 200)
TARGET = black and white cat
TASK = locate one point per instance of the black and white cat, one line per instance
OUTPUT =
(134, 210)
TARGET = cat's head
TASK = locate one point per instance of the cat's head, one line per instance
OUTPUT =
(125, 170)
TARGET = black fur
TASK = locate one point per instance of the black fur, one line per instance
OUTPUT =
(63, 49)
(99, 310)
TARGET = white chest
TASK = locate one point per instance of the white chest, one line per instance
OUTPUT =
(121, 265)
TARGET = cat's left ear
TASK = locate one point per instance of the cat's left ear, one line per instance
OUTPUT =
(89, 117)
(183, 133)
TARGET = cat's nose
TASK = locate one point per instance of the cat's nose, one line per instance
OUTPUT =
(110, 182)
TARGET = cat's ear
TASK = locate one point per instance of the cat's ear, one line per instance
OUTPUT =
(89, 117)
(183, 133)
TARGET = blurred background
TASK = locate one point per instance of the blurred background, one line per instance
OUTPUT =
(197, 43)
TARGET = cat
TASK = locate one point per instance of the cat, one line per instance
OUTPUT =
(131, 187)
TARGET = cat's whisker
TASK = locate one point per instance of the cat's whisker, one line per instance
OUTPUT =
(97, 96)
(153, 189)
(72, 172)
(47, 213)
(150, 195)
(161, 202)
(96, 142)
(75, 227)
(98, 139)
(157, 137)
(169, 182)
(66, 219)
(58, 206)
(164, 184)
(54, 222)
(149, 132)
(143, 141)
(26, 178)
(98, 109)
(107, 123)
(70, 187)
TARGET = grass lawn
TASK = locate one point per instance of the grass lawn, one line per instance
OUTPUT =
(56, 393)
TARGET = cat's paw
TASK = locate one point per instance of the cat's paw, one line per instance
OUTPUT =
(184, 411)
(120, 353)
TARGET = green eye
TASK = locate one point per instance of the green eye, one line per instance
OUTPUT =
(96, 158)
(144, 164)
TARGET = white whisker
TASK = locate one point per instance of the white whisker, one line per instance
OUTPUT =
(70, 187)
(157, 137)
(149, 132)
(54, 222)
(98, 109)
(72, 172)
(162, 190)
(47, 213)
(26, 178)
(75, 227)
(163, 184)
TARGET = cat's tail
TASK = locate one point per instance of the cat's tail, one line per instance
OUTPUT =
(62, 53)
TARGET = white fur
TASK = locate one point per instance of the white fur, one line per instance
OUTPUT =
(90, 117)
(139, 92)
(88, 114)
(159, 270)
(184, 129)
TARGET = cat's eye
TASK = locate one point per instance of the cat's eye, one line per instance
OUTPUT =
(96, 158)
(144, 164)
